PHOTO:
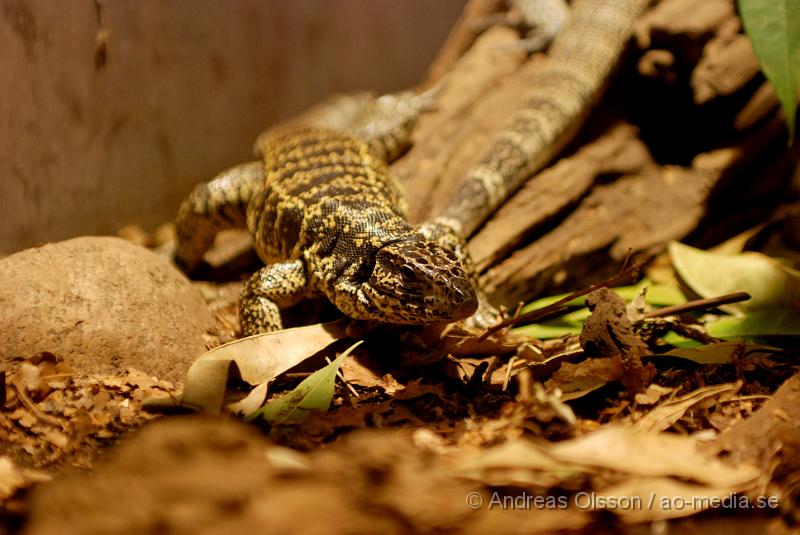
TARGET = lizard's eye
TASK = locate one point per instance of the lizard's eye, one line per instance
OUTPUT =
(408, 274)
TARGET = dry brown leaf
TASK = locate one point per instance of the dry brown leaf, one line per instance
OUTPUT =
(653, 394)
(251, 402)
(65, 414)
(139, 379)
(518, 462)
(258, 358)
(356, 373)
(23, 418)
(11, 478)
(648, 499)
(29, 376)
(669, 412)
(577, 380)
(631, 451)
(650, 461)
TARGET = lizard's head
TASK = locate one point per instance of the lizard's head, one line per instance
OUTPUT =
(418, 282)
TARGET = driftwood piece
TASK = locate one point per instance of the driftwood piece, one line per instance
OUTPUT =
(658, 64)
(674, 21)
(471, 77)
(460, 38)
(674, 34)
(463, 120)
(763, 102)
(770, 439)
(727, 65)
(557, 189)
(638, 213)
(635, 212)
(584, 214)
(489, 116)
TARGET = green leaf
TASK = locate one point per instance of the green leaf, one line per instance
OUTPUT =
(546, 331)
(674, 339)
(769, 283)
(572, 322)
(717, 353)
(657, 295)
(765, 323)
(258, 359)
(754, 325)
(315, 392)
(773, 27)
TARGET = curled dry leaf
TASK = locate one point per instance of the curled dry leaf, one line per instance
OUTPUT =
(669, 412)
(251, 402)
(519, 462)
(648, 499)
(646, 465)
(628, 450)
(258, 359)
(653, 394)
(578, 380)
(361, 373)
(315, 392)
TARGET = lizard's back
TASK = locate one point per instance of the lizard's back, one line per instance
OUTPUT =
(315, 178)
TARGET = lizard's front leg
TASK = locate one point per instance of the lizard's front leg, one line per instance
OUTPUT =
(271, 288)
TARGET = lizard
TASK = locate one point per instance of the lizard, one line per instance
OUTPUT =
(580, 61)
(327, 218)
(571, 80)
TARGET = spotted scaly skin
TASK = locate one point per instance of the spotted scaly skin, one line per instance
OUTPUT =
(328, 219)
(569, 83)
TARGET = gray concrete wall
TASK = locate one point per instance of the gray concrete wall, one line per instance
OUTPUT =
(110, 110)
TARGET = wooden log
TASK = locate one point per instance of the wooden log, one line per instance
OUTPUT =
(460, 39)
(727, 66)
(556, 190)
(637, 213)
(673, 21)
(763, 102)
(481, 78)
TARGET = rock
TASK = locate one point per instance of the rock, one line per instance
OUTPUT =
(104, 305)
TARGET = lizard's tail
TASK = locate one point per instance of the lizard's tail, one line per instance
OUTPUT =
(570, 82)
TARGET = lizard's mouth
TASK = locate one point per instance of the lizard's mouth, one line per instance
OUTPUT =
(467, 308)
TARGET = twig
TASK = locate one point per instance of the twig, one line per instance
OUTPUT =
(340, 375)
(534, 315)
(31, 406)
(699, 304)
(508, 373)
